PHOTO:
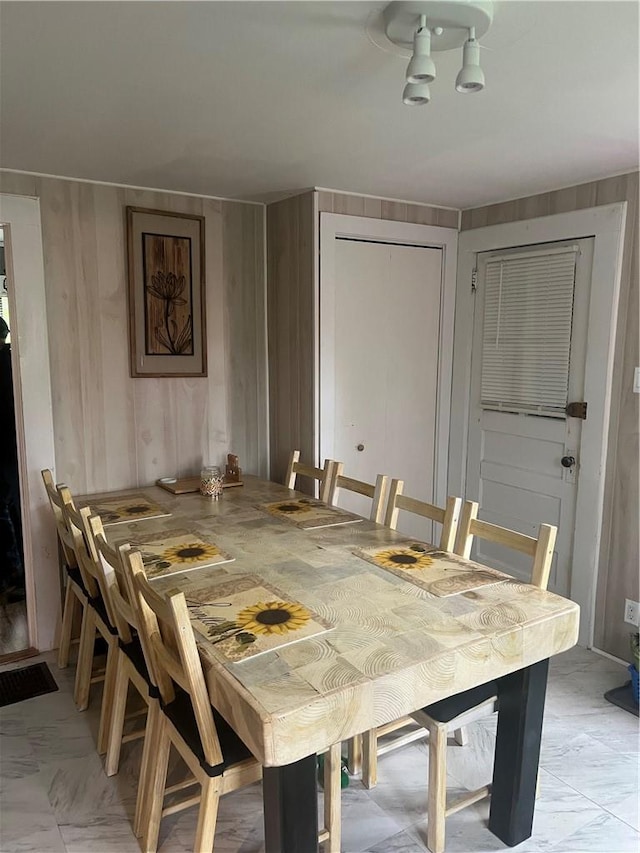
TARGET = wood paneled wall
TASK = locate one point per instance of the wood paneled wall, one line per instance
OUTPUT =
(379, 208)
(619, 558)
(291, 332)
(112, 431)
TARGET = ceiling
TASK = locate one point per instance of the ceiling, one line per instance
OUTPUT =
(255, 100)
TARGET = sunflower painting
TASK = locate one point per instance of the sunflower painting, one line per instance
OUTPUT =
(190, 552)
(173, 551)
(310, 514)
(396, 558)
(255, 620)
(437, 572)
(273, 617)
(127, 508)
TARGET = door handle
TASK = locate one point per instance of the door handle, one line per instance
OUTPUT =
(568, 461)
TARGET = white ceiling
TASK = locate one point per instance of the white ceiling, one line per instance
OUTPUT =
(247, 100)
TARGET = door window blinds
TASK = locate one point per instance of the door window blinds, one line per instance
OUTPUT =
(526, 344)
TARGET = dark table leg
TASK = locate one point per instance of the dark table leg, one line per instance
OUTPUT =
(515, 772)
(291, 807)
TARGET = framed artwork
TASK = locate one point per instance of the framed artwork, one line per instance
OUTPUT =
(167, 330)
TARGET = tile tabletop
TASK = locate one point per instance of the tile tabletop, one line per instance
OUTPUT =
(391, 644)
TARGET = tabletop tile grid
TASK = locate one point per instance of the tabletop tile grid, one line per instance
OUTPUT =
(394, 646)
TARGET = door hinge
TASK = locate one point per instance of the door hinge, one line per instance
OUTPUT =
(577, 410)
(474, 280)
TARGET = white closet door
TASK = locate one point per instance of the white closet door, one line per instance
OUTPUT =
(385, 315)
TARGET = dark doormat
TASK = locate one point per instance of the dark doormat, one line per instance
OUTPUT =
(25, 683)
(623, 698)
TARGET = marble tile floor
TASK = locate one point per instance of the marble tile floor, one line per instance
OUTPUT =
(54, 795)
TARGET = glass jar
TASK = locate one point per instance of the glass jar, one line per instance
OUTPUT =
(211, 480)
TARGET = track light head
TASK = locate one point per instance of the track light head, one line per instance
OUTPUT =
(416, 94)
(421, 68)
(470, 77)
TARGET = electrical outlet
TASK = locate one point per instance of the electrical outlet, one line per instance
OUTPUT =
(631, 612)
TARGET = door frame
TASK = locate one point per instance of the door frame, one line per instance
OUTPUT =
(606, 224)
(336, 225)
(20, 216)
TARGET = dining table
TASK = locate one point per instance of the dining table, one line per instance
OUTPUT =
(315, 625)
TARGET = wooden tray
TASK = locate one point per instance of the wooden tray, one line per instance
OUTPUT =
(190, 484)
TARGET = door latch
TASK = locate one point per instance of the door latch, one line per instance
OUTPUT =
(577, 410)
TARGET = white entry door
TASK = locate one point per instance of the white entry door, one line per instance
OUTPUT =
(528, 361)
(380, 334)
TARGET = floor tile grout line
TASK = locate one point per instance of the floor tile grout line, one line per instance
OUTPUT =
(601, 806)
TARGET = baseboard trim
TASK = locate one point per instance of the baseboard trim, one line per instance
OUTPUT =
(609, 657)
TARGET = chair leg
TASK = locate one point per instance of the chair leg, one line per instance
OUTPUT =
(70, 602)
(354, 755)
(156, 782)
(332, 797)
(116, 724)
(85, 659)
(207, 816)
(108, 695)
(461, 736)
(437, 794)
(370, 758)
(146, 768)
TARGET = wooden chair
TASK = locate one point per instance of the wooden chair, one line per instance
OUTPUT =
(377, 492)
(218, 760)
(75, 596)
(325, 476)
(442, 717)
(129, 661)
(98, 620)
(448, 518)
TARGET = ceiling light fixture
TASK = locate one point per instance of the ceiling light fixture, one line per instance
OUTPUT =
(470, 77)
(416, 94)
(421, 68)
(402, 28)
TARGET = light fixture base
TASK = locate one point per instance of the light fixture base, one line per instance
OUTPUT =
(393, 28)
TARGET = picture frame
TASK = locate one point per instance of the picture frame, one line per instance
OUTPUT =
(166, 284)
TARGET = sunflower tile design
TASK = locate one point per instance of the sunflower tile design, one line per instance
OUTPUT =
(310, 514)
(253, 621)
(127, 508)
(177, 551)
(436, 572)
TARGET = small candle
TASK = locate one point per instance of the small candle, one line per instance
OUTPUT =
(211, 480)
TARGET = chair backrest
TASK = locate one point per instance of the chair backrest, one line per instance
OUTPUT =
(377, 492)
(115, 581)
(447, 517)
(540, 548)
(171, 652)
(325, 475)
(55, 502)
(81, 540)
